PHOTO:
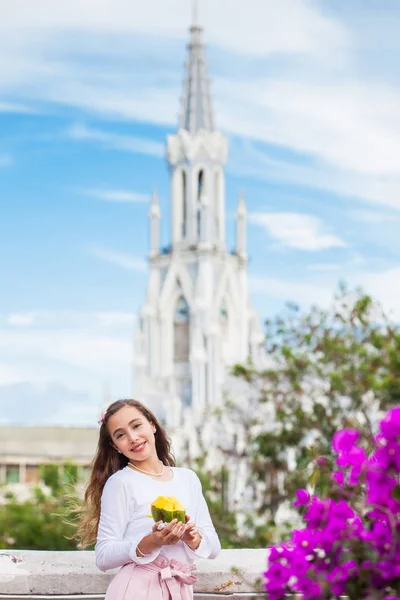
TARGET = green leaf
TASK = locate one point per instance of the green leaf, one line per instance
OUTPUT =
(396, 493)
(313, 479)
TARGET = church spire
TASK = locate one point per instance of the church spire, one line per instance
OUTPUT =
(195, 13)
(196, 112)
(154, 217)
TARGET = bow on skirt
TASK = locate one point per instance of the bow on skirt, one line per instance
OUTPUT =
(161, 579)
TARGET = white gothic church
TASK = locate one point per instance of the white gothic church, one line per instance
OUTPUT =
(197, 318)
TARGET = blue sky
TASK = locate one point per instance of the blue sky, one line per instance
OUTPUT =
(307, 94)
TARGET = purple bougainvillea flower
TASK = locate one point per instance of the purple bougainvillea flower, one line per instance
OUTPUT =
(277, 574)
(379, 487)
(381, 537)
(390, 425)
(276, 578)
(341, 510)
(315, 562)
(303, 498)
(335, 530)
(298, 563)
(274, 554)
(344, 440)
(309, 589)
(305, 539)
(388, 457)
(383, 572)
(274, 594)
(378, 515)
(317, 512)
(355, 474)
(355, 457)
(338, 477)
(340, 574)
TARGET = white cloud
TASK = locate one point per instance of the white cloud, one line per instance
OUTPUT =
(290, 26)
(9, 374)
(121, 259)
(383, 286)
(355, 261)
(71, 319)
(345, 123)
(291, 79)
(324, 267)
(293, 230)
(303, 293)
(122, 196)
(64, 359)
(10, 107)
(51, 404)
(248, 161)
(77, 347)
(21, 319)
(116, 319)
(373, 217)
(116, 141)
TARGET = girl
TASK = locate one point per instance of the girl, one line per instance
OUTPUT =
(132, 467)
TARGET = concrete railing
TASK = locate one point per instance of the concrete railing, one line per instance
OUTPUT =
(34, 575)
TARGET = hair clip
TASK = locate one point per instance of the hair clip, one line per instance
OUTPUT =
(102, 418)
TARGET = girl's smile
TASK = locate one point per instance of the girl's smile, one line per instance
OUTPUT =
(133, 435)
(139, 448)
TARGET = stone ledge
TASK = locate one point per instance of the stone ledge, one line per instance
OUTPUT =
(24, 574)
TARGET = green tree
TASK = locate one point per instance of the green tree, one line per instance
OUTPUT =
(39, 523)
(325, 369)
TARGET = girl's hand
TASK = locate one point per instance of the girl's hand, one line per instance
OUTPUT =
(191, 536)
(170, 534)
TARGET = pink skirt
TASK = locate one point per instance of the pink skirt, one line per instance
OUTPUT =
(161, 579)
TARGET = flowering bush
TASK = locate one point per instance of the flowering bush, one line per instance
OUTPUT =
(351, 541)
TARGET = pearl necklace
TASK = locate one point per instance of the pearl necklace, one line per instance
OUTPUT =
(148, 472)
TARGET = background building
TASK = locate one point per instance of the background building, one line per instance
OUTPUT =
(24, 449)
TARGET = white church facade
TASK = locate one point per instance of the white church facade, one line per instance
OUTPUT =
(197, 319)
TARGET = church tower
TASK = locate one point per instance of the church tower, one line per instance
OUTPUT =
(197, 319)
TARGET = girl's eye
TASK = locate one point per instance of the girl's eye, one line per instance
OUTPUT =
(120, 435)
(136, 426)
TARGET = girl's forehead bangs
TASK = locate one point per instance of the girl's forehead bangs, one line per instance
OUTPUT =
(143, 411)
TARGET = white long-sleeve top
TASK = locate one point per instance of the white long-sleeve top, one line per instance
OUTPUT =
(124, 520)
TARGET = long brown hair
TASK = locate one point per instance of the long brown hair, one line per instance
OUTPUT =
(107, 461)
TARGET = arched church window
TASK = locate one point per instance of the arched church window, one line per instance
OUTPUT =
(181, 331)
(200, 184)
(184, 203)
(182, 311)
(200, 191)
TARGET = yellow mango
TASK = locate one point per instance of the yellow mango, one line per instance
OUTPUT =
(167, 508)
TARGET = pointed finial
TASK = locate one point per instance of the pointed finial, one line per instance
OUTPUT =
(195, 14)
(154, 197)
(241, 207)
(155, 205)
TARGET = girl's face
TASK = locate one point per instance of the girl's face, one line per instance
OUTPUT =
(132, 434)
